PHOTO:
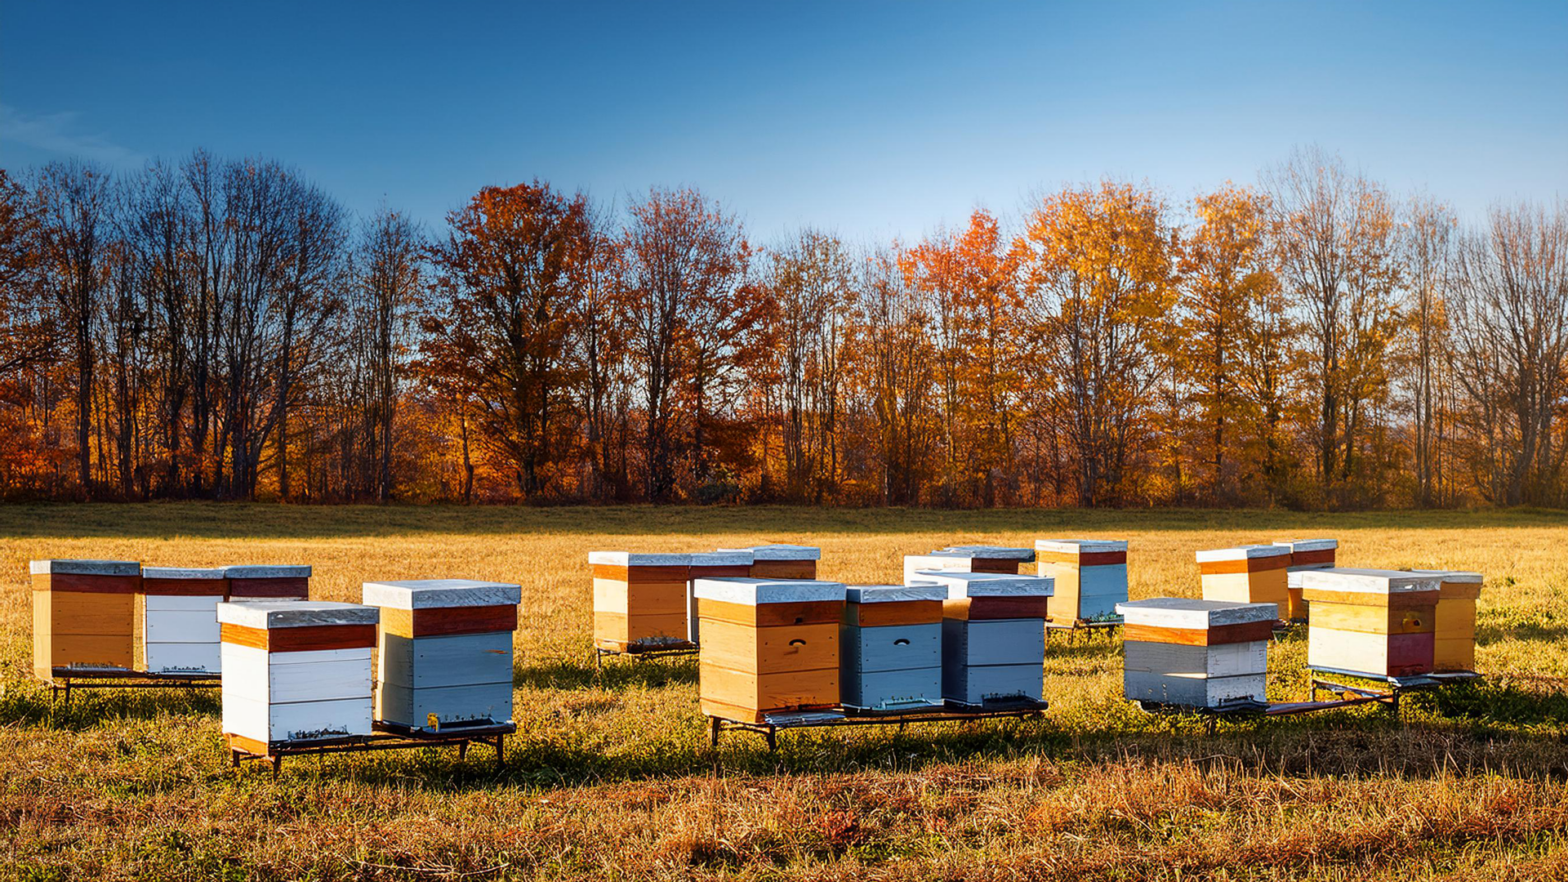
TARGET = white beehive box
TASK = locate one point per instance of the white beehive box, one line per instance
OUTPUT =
(295, 670)
(1196, 653)
(444, 652)
(179, 619)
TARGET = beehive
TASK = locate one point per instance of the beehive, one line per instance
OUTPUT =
(782, 561)
(444, 652)
(711, 565)
(768, 645)
(996, 558)
(639, 600)
(958, 562)
(1305, 554)
(1378, 623)
(1246, 574)
(1090, 576)
(1453, 626)
(179, 619)
(993, 635)
(84, 615)
(890, 646)
(295, 670)
(1196, 653)
(268, 582)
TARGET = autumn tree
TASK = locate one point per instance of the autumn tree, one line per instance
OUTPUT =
(893, 369)
(1428, 243)
(1096, 269)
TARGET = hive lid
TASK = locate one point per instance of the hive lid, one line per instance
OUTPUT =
(1184, 612)
(84, 567)
(1080, 546)
(638, 559)
(893, 593)
(966, 585)
(1450, 576)
(267, 572)
(1243, 552)
(182, 573)
(990, 552)
(1369, 581)
(722, 558)
(296, 614)
(440, 594)
(754, 592)
(1308, 544)
(781, 552)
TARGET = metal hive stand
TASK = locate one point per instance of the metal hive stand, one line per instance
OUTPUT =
(948, 712)
(1348, 696)
(62, 680)
(387, 736)
(1085, 628)
(641, 653)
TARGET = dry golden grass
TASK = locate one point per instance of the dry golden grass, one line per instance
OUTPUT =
(610, 775)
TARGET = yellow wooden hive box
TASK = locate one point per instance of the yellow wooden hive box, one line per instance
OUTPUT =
(768, 645)
(1375, 623)
(1453, 629)
(639, 600)
(782, 561)
(1305, 554)
(1246, 574)
(84, 615)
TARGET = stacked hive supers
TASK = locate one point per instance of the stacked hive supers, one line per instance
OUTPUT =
(1196, 653)
(1453, 625)
(993, 635)
(954, 561)
(268, 582)
(711, 565)
(891, 646)
(444, 652)
(768, 645)
(295, 671)
(782, 561)
(1376, 623)
(639, 600)
(1090, 576)
(1305, 554)
(1246, 574)
(992, 558)
(84, 615)
(179, 619)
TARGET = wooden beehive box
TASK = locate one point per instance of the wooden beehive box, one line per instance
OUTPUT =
(768, 645)
(639, 600)
(444, 652)
(711, 565)
(1377, 623)
(84, 615)
(1453, 626)
(1196, 653)
(993, 558)
(179, 619)
(993, 635)
(1305, 554)
(782, 561)
(1090, 574)
(958, 562)
(890, 647)
(295, 670)
(1246, 574)
(268, 582)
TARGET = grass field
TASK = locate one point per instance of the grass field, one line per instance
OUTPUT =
(611, 776)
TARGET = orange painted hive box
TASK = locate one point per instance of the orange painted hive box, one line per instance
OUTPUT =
(768, 645)
(84, 615)
(1374, 623)
(1453, 629)
(639, 600)
(1246, 574)
(268, 582)
(1090, 574)
(295, 671)
(782, 561)
(1305, 554)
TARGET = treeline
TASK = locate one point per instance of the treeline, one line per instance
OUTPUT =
(217, 328)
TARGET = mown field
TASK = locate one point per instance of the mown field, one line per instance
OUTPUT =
(611, 775)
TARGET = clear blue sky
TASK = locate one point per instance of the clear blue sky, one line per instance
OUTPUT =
(872, 119)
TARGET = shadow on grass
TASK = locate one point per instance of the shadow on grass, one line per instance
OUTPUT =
(1500, 704)
(31, 705)
(623, 672)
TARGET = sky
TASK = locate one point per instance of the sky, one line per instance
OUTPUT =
(874, 120)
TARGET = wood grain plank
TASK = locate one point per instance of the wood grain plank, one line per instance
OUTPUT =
(984, 608)
(768, 615)
(903, 612)
(294, 587)
(784, 569)
(1246, 632)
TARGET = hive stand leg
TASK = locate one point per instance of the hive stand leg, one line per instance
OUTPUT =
(500, 752)
(462, 751)
(234, 757)
(773, 739)
(277, 764)
(713, 731)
